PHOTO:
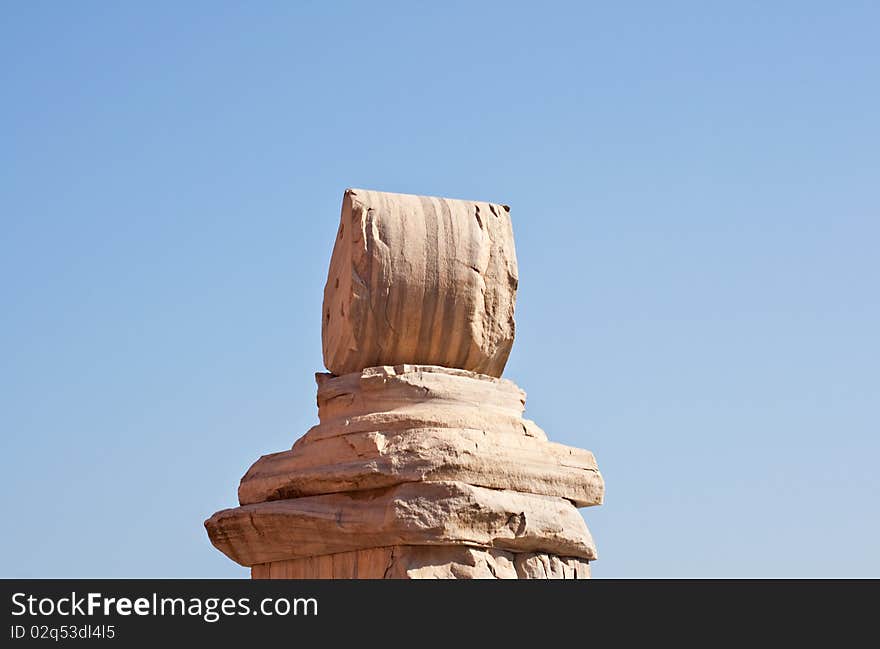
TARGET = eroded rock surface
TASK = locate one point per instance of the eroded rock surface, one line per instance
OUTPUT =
(422, 465)
(426, 562)
(422, 424)
(419, 279)
(426, 513)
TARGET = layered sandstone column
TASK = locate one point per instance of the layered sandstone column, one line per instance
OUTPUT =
(422, 465)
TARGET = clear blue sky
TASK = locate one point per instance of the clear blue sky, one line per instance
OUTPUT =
(696, 201)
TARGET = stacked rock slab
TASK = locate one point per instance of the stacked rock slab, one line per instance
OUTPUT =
(422, 465)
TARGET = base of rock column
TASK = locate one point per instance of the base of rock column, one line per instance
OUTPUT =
(426, 562)
(415, 472)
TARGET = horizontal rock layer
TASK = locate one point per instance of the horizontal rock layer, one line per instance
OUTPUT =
(404, 387)
(391, 425)
(403, 397)
(374, 460)
(419, 279)
(426, 562)
(415, 471)
(428, 513)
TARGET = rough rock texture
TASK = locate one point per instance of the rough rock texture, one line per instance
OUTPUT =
(422, 465)
(485, 443)
(426, 562)
(434, 465)
(374, 460)
(419, 279)
(429, 513)
(418, 396)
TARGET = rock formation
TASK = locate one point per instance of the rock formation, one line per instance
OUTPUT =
(421, 280)
(422, 465)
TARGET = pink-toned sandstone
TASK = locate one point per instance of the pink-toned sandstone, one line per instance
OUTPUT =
(422, 465)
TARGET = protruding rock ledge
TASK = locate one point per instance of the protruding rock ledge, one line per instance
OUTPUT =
(429, 513)
(386, 426)
(377, 459)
